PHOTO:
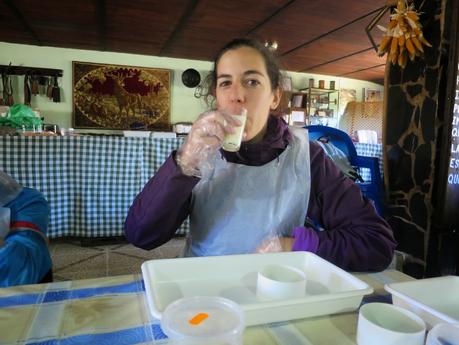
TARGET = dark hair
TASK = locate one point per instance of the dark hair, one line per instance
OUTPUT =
(271, 63)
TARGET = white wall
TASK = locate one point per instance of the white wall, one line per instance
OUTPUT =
(184, 106)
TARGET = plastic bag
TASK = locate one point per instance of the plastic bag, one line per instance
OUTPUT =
(9, 188)
(21, 116)
(271, 244)
(196, 157)
(275, 243)
(340, 159)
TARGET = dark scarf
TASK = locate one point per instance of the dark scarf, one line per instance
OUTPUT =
(274, 142)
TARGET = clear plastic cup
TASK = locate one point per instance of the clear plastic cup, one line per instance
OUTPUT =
(232, 142)
(204, 320)
(443, 334)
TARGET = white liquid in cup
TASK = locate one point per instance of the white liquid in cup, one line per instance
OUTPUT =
(232, 142)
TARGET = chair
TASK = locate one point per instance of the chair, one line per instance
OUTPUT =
(367, 136)
(373, 189)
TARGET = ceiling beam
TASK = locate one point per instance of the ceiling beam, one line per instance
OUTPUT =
(274, 14)
(363, 69)
(179, 27)
(337, 59)
(101, 20)
(331, 31)
(22, 21)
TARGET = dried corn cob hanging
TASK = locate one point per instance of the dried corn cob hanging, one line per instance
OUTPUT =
(403, 37)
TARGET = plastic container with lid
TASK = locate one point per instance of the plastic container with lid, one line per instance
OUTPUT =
(204, 320)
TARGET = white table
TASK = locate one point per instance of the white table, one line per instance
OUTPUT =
(113, 311)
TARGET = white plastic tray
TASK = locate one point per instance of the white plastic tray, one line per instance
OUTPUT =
(329, 289)
(435, 300)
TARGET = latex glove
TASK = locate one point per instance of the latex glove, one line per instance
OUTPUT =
(205, 138)
(276, 244)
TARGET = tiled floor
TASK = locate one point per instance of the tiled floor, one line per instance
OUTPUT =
(73, 261)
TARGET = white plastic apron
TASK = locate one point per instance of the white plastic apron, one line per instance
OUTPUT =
(239, 206)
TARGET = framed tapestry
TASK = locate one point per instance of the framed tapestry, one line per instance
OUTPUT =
(121, 97)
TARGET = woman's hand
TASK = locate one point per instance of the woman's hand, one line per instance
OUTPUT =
(276, 244)
(205, 138)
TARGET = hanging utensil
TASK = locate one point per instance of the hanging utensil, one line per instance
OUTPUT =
(34, 87)
(27, 94)
(43, 82)
(56, 92)
(1, 93)
(49, 90)
(10, 98)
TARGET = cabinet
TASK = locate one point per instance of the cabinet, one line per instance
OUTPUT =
(314, 106)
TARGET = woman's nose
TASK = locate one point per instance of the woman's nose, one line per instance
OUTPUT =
(237, 93)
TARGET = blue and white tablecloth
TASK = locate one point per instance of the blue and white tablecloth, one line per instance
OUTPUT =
(114, 310)
(91, 181)
(370, 150)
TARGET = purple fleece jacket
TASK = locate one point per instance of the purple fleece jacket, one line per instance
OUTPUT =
(355, 237)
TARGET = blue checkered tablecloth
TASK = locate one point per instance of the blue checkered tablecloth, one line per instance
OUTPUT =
(89, 181)
(370, 150)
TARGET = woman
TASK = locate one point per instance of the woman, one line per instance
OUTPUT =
(249, 200)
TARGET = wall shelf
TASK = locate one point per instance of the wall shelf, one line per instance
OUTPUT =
(315, 103)
(35, 71)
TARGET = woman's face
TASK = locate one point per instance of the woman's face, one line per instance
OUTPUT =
(243, 82)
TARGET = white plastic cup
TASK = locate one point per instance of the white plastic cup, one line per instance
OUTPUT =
(232, 142)
(387, 324)
(280, 282)
(223, 322)
(443, 334)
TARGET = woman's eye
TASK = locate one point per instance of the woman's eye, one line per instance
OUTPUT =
(224, 83)
(252, 82)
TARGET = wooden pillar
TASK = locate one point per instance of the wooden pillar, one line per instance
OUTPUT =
(410, 138)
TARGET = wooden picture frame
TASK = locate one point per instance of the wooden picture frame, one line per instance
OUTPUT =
(298, 100)
(286, 83)
(121, 97)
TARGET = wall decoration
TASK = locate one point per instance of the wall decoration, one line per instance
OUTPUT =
(286, 83)
(121, 97)
(346, 96)
(403, 37)
(373, 95)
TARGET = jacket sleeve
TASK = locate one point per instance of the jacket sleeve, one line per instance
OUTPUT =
(161, 207)
(355, 237)
(24, 257)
